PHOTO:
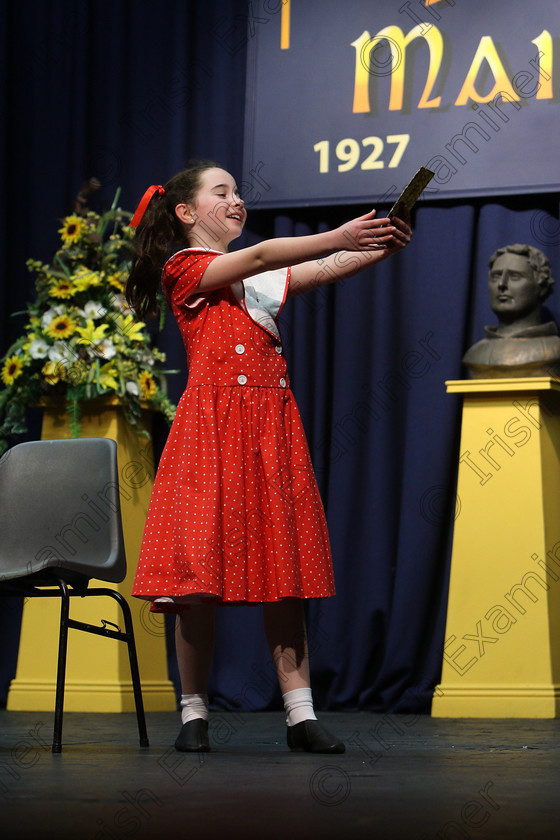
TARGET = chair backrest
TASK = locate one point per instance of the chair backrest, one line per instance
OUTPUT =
(60, 510)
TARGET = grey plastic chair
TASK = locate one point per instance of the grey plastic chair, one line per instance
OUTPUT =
(60, 526)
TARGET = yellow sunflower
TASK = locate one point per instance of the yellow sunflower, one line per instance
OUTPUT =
(11, 369)
(62, 289)
(61, 327)
(72, 230)
(147, 385)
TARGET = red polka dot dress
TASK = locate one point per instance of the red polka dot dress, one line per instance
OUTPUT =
(235, 514)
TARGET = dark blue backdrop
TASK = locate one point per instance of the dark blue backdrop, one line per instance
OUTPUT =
(349, 147)
(128, 92)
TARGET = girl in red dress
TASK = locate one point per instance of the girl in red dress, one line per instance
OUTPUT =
(235, 515)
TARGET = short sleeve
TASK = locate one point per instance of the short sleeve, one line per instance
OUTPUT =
(183, 272)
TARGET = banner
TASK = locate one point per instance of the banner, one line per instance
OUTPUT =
(346, 100)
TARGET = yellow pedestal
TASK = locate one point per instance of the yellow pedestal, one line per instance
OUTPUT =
(502, 639)
(98, 672)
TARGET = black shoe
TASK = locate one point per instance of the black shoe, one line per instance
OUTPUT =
(311, 736)
(193, 737)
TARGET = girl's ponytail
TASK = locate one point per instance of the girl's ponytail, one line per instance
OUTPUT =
(159, 233)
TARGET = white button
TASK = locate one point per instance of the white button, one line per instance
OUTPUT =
(282, 383)
(240, 349)
(242, 379)
(278, 348)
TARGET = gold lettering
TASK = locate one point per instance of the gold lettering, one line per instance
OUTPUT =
(543, 43)
(285, 25)
(486, 51)
(397, 43)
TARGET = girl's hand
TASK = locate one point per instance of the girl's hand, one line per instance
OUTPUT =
(402, 233)
(368, 233)
(376, 238)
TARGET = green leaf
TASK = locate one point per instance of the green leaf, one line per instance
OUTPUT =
(61, 264)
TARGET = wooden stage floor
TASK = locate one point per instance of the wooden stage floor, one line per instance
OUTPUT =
(402, 776)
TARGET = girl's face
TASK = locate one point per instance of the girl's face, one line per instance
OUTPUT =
(217, 212)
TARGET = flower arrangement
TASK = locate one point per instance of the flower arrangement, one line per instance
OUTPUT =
(81, 339)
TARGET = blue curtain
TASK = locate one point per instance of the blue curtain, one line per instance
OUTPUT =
(129, 92)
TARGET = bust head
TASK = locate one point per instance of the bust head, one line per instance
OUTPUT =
(519, 281)
(520, 345)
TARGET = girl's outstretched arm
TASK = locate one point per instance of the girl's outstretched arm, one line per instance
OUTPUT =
(364, 234)
(394, 234)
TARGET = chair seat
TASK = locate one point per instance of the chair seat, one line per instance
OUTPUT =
(60, 508)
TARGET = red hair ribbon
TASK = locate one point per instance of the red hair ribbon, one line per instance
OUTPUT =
(144, 201)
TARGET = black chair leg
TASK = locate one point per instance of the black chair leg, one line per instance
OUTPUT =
(134, 671)
(61, 669)
(127, 636)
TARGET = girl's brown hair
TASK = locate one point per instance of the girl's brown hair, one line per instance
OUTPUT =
(159, 234)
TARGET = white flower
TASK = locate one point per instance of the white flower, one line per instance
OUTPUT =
(121, 303)
(59, 352)
(92, 309)
(146, 358)
(50, 314)
(38, 349)
(106, 348)
(133, 388)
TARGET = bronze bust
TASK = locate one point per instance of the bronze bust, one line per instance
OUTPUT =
(520, 345)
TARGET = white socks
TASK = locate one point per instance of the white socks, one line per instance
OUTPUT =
(298, 705)
(194, 706)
